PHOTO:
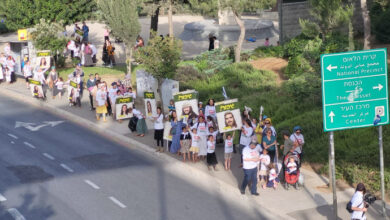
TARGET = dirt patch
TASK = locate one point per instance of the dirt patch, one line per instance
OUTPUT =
(273, 64)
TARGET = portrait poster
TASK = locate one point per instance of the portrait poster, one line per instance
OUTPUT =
(71, 89)
(186, 104)
(228, 115)
(36, 88)
(167, 131)
(150, 104)
(43, 59)
(124, 107)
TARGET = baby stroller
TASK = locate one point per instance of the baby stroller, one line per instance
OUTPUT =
(291, 178)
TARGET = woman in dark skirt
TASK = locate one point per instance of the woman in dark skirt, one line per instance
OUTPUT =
(211, 156)
(159, 130)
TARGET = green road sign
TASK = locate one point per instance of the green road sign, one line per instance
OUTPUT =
(354, 89)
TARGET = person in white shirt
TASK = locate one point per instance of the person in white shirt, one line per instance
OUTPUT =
(59, 88)
(211, 156)
(210, 109)
(228, 150)
(357, 203)
(201, 127)
(94, 52)
(27, 72)
(10, 64)
(292, 166)
(141, 124)
(7, 49)
(298, 140)
(159, 130)
(251, 158)
(265, 160)
(130, 93)
(195, 139)
(246, 134)
(273, 178)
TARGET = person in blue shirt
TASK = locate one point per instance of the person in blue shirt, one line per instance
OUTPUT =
(85, 30)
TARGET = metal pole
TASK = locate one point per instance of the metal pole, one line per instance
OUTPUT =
(333, 175)
(382, 173)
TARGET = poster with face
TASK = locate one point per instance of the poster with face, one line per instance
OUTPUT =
(228, 115)
(72, 88)
(36, 88)
(124, 107)
(150, 104)
(43, 59)
(186, 104)
(167, 131)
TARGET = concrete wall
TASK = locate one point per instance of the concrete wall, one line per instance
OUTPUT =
(289, 14)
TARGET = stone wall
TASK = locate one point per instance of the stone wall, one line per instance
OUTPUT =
(289, 14)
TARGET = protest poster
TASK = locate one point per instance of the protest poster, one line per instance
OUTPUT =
(36, 88)
(228, 115)
(150, 104)
(186, 104)
(167, 131)
(72, 88)
(123, 107)
(42, 59)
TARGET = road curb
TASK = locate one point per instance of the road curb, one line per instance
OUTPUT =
(132, 144)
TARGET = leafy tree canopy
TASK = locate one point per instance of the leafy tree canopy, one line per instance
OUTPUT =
(26, 13)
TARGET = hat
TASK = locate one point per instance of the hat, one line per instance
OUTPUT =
(113, 84)
(186, 104)
(201, 103)
(253, 142)
(79, 64)
(296, 128)
(264, 117)
(53, 67)
(269, 120)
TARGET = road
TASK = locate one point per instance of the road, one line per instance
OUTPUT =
(68, 172)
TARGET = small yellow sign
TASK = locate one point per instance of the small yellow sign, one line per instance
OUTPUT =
(22, 34)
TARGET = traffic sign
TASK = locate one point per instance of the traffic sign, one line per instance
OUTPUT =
(354, 89)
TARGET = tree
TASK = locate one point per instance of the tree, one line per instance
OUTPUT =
(367, 24)
(122, 17)
(161, 57)
(327, 16)
(48, 36)
(27, 13)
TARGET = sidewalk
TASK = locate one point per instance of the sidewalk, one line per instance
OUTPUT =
(310, 202)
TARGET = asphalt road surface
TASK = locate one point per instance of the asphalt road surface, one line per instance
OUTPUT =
(67, 172)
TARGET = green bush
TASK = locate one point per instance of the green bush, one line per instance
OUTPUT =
(382, 27)
(272, 51)
(210, 62)
(295, 46)
(296, 66)
(3, 28)
(61, 61)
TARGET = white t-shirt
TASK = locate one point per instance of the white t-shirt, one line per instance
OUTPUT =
(201, 129)
(60, 85)
(11, 65)
(39, 76)
(249, 153)
(246, 136)
(209, 110)
(229, 146)
(292, 166)
(158, 123)
(138, 114)
(210, 147)
(357, 201)
(27, 70)
(272, 174)
(195, 140)
(112, 93)
(264, 161)
(94, 50)
(294, 137)
(101, 97)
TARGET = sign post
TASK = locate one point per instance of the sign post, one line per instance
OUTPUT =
(354, 95)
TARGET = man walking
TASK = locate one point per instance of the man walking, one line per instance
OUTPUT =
(251, 158)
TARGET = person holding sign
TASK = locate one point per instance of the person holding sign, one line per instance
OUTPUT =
(101, 100)
(210, 109)
(141, 124)
(201, 127)
(211, 157)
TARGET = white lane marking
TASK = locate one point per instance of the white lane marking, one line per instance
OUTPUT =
(114, 200)
(66, 168)
(29, 145)
(16, 214)
(2, 198)
(92, 184)
(13, 136)
(48, 156)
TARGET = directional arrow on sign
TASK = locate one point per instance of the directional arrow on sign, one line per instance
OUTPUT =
(32, 127)
(331, 115)
(330, 67)
(379, 87)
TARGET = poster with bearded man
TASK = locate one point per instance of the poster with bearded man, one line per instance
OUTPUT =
(186, 104)
(228, 115)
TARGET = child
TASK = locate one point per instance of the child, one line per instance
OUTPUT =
(292, 166)
(194, 144)
(185, 143)
(171, 106)
(76, 96)
(59, 89)
(273, 179)
(264, 162)
(228, 150)
(266, 43)
(213, 133)
(210, 122)
(211, 157)
(71, 95)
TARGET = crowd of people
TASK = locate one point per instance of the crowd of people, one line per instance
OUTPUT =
(7, 65)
